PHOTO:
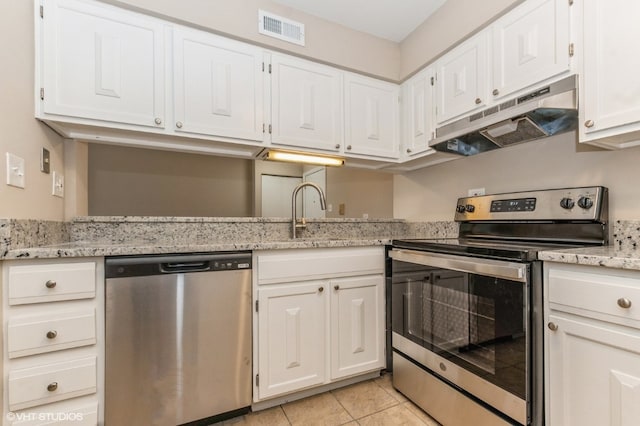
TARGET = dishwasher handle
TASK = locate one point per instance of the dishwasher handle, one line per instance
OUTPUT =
(176, 267)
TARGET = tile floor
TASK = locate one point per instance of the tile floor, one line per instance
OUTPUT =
(371, 403)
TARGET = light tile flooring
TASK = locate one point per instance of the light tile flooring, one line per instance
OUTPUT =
(371, 403)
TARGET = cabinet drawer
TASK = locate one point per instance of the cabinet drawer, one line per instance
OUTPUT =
(49, 283)
(86, 415)
(36, 334)
(44, 384)
(310, 264)
(596, 292)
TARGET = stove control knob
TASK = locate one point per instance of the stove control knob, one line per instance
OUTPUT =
(567, 203)
(460, 208)
(470, 208)
(585, 202)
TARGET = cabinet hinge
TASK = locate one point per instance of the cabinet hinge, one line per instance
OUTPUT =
(257, 380)
(256, 306)
(263, 126)
(432, 81)
(41, 11)
(263, 67)
(269, 68)
(42, 93)
(269, 128)
(571, 49)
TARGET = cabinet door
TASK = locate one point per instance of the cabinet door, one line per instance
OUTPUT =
(102, 63)
(418, 100)
(610, 88)
(593, 373)
(372, 110)
(461, 79)
(218, 86)
(357, 325)
(291, 337)
(530, 45)
(306, 104)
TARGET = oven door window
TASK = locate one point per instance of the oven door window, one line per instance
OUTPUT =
(475, 321)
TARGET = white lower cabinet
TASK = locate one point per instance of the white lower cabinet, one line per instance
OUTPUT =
(53, 342)
(290, 319)
(318, 325)
(592, 346)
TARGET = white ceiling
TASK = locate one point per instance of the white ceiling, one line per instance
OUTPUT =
(389, 19)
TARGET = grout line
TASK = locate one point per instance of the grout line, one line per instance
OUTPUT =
(285, 414)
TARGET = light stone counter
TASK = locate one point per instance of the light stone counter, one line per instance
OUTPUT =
(608, 256)
(123, 235)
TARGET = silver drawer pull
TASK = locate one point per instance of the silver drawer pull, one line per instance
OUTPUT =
(50, 284)
(552, 326)
(52, 334)
(52, 387)
(336, 287)
(624, 303)
(589, 123)
(158, 121)
(321, 289)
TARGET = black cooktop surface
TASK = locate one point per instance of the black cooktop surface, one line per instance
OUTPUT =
(487, 248)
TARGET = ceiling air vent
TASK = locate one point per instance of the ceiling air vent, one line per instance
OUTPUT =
(281, 28)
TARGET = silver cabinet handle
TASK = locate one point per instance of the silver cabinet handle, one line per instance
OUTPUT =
(321, 289)
(495, 92)
(409, 151)
(50, 284)
(589, 123)
(337, 146)
(552, 326)
(52, 387)
(336, 287)
(158, 121)
(179, 124)
(52, 334)
(624, 303)
(349, 147)
(478, 101)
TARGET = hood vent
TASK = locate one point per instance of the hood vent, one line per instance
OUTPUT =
(538, 114)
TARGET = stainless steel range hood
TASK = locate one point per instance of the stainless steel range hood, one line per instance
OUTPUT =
(543, 112)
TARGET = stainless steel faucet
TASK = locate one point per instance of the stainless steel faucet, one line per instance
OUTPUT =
(295, 224)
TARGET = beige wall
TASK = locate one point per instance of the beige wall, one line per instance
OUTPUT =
(362, 192)
(22, 135)
(431, 193)
(325, 41)
(452, 22)
(270, 168)
(145, 182)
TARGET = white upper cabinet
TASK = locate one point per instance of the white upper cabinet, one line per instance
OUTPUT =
(218, 86)
(418, 112)
(306, 104)
(462, 79)
(609, 83)
(530, 45)
(372, 113)
(102, 63)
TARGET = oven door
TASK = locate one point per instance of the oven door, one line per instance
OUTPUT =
(466, 320)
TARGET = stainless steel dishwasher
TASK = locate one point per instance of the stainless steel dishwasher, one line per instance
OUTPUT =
(178, 338)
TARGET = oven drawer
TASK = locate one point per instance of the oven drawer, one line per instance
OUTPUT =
(616, 295)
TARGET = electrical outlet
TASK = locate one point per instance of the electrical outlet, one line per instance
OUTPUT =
(15, 170)
(475, 192)
(58, 185)
(45, 161)
(341, 208)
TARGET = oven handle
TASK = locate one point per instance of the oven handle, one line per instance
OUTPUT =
(487, 267)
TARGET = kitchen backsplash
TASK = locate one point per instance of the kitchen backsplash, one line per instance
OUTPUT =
(17, 233)
(23, 233)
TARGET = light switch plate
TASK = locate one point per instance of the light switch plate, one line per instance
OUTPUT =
(58, 185)
(15, 170)
(45, 161)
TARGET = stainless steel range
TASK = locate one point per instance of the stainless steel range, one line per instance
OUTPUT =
(467, 330)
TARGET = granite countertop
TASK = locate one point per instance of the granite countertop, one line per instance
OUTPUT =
(612, 256)
(97, 249)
